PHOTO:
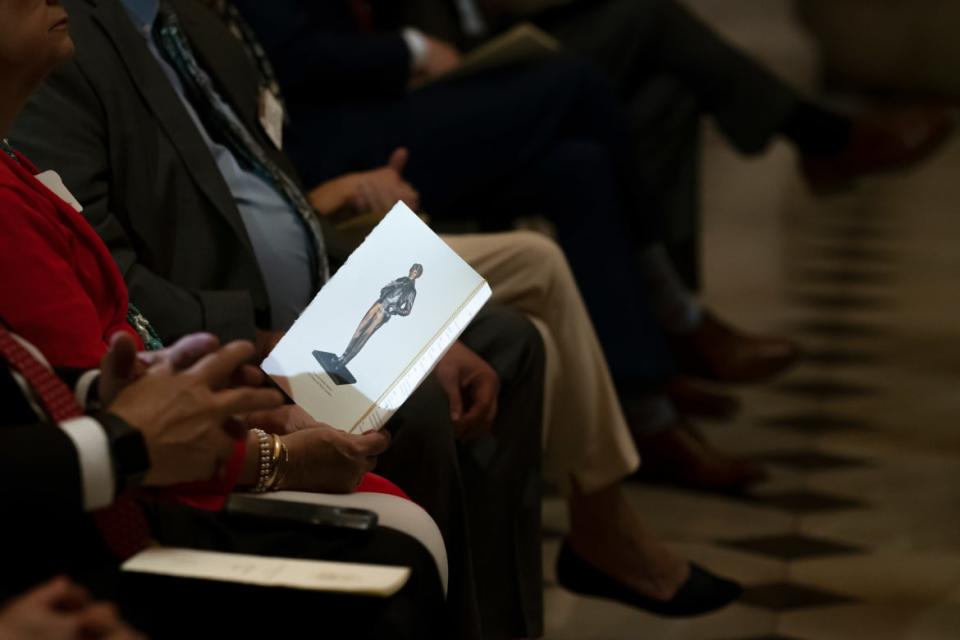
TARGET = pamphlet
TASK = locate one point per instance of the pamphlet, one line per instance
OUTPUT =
(379, 326)
(264, 571)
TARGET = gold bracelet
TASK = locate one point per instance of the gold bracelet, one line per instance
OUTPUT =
(280, 458)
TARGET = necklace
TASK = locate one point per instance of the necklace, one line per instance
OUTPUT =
(7, 149)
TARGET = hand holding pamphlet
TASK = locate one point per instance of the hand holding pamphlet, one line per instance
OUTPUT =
(379, 326)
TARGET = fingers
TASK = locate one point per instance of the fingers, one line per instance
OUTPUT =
(382, 433)
(284, 420)
(99, 619)
(248, 376)
(235, 429)
(451, 387)
(246, 400)
(121, 358)
(410, 196)
(217, 368)
(187, 350)
(471, 424)
(372, 444)
(491, 414)
(360, 201)
(266, 341)
(59, 593)
(102, 620)
(380, 195)
(398, 159)
(482, 394)
(124, 633)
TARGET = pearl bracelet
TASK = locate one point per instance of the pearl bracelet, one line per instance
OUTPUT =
(266, 461)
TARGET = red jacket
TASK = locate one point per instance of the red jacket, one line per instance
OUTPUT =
(59, 286)
(62, 290)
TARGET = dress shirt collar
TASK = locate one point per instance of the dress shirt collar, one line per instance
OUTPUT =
(143, 13)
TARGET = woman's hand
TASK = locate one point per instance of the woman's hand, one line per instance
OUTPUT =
(327, 460)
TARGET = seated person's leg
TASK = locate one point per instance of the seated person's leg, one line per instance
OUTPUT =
(471, 500)
(589, 447)
(635, 40)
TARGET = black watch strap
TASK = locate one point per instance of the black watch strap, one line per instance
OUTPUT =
(128, 451)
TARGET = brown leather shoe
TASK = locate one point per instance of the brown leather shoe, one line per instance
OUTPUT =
(880, 141)
(680, 455)
(693, 400)
(717, 351)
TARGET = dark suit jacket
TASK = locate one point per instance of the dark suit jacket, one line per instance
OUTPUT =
(321, 52)
(29, 445)
(41, 494)
(113, 127)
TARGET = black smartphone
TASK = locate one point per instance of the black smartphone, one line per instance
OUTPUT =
(301, 512)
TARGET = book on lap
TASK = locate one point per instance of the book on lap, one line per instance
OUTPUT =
(521, 43)
(379, 326)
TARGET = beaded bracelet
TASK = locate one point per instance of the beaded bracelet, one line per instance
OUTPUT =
(266, 461)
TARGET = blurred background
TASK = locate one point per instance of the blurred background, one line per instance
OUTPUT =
(856, 534)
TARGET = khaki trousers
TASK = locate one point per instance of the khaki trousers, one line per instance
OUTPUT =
(586, 437)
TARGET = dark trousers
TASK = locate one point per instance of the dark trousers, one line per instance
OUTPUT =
(669, 69)
(546, 138)
(484, 494)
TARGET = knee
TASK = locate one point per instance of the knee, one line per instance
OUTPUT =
(536, 251)
(541, 257)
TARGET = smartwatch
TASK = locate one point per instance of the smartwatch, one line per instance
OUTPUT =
(128, 451)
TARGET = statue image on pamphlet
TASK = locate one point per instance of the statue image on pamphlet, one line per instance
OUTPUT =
(396, 299)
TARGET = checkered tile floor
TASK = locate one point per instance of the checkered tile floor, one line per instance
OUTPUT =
(857, 532)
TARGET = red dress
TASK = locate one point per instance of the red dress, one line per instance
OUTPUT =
(61, 289)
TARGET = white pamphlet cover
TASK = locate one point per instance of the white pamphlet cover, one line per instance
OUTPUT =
(379, 326)
(265, 571)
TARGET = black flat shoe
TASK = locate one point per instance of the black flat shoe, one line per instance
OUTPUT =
(701, 593)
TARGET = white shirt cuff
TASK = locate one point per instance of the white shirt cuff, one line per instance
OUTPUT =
(86, 381)
(418, 46)
(96, 467)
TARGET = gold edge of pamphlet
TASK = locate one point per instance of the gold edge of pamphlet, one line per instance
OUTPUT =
(419, 355)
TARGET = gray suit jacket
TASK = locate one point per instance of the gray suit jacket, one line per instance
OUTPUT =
(115, 130)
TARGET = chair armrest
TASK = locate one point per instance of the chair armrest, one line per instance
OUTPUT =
(392, 511)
